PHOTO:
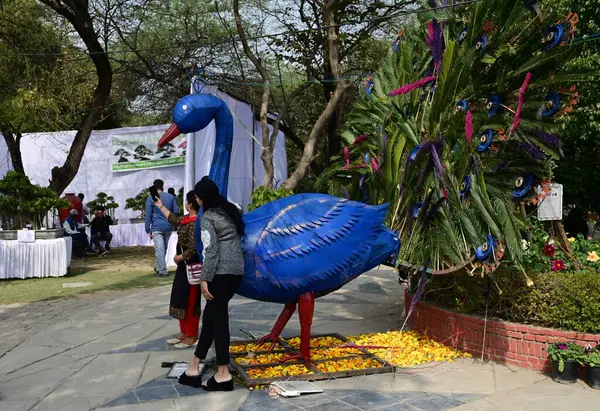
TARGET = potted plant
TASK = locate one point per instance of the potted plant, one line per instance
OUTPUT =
(592, 360)
(138, 203)
(566, 358)
(106, 201)
(23, 204)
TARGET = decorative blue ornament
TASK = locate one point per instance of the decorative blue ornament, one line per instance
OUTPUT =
(413, 154)
(481, 43)
(551, 105)
(417, 209)
(397, 41)
(366, 157)
(485, 140)
(485, 250)
(493, 105)
(463, 35)
(369, 86)
(465, 187)
(523, 185)
(554, 36)
(462, 105)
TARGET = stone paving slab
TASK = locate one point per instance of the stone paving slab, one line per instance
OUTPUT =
(104, 353)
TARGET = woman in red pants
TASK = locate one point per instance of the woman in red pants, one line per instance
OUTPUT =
(185, 298)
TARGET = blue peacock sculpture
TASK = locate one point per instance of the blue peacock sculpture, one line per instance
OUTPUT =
(297, 248)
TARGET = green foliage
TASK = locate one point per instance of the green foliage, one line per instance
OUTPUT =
(562, 300)
(23, 203)
(580, 130)
(592, 358)
(103, 200)
(565, 352)
(138, 203)
(262, 196)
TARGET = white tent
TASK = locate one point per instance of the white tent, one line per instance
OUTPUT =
(43, 151)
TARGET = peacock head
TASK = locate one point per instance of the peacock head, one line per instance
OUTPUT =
(191, 113)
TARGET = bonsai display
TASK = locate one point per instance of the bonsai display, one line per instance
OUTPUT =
(26, 205)
(138, 203)
(105, 201)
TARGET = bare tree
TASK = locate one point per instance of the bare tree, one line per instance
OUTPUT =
(77, 13)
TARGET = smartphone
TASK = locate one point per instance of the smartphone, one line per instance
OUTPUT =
(154, 193)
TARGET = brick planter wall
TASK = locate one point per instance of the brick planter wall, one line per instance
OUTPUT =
(505, 342)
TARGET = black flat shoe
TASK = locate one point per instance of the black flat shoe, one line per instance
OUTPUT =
(195, 382)
(213, 385)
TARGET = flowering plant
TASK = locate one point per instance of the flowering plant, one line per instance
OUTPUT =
(592, 355)
(543, 254)
(549, 249)
(558, 265)
(566, 352)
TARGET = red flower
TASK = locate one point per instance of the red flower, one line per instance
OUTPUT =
(549, 250)
(558, 265)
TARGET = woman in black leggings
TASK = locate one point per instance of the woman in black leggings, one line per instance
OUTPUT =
(221, 229)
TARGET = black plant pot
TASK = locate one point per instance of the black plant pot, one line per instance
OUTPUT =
(568, 375)
(593, 377)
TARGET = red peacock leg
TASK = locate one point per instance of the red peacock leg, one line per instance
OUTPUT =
(306, 304)
(280, 324)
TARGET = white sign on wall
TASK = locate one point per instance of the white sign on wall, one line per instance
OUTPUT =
(550, 209)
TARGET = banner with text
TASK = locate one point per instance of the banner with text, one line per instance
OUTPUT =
(133, 152)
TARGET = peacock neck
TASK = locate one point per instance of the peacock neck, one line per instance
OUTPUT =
(219, 168)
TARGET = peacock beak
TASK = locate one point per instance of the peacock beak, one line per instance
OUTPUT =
(169, 135)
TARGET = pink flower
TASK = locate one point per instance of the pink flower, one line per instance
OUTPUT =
(549, 250)
(558, 265)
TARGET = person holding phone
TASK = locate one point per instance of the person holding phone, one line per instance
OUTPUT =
(157, 226)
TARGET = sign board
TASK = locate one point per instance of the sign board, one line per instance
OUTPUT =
(139, 151)
(26, 236)
(551, 208)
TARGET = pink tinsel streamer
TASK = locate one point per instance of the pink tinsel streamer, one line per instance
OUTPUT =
(375, 165)
(517, 119)
(407, 88)
(359, 139)
(469, 126)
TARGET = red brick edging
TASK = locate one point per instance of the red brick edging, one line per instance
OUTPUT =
(505, 342)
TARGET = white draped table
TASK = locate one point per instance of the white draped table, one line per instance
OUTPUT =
(134, 235)
(44, 258)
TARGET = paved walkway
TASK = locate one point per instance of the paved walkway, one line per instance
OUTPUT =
(104, 352)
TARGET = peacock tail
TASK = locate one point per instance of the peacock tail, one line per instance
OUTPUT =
(458, 129)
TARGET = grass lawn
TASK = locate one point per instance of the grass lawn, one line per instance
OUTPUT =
(124, 268)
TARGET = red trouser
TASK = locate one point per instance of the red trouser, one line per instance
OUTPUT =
(189, 326)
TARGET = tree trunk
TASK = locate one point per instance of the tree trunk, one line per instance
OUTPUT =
(340, 88)
(76, 12)
(13, 142)
(309, 146)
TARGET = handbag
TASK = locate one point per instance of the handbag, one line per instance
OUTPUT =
(194, 270)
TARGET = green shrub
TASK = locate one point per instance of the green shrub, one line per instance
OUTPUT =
(568, 301)
(262, 196)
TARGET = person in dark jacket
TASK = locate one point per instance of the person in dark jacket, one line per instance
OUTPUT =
(222, 229)
(100, 231)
